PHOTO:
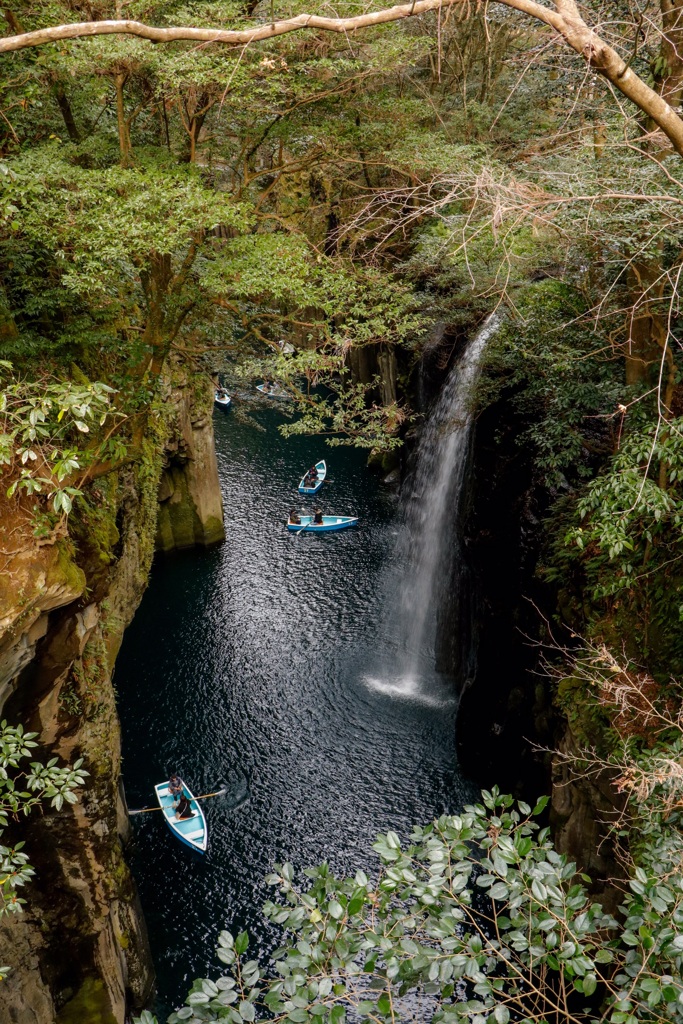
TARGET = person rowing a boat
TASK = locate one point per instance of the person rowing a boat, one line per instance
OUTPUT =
(175, 787)
(184, 809)
(318, 517)
(294, 517)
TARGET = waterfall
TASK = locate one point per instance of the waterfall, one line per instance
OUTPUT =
(427, 546)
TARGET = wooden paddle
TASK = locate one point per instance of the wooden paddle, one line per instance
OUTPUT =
(204, 796)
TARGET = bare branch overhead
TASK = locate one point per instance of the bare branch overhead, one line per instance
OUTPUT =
(564, 18)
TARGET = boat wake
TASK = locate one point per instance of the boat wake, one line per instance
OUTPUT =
(413, 688)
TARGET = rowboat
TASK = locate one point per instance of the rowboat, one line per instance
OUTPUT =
(273, 391)
(314, 488)
(223, 399)
(191, 831)
(329, 524)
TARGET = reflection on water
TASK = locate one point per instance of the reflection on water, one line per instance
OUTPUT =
(247, 667)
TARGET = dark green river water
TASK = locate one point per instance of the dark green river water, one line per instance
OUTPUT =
(268, 665)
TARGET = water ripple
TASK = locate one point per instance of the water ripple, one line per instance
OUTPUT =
(261, 666)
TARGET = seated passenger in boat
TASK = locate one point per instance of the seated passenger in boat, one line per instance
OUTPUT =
(318, 518)
(294, 517)
(184, 809)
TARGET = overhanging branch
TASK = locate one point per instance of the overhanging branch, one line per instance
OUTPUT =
(565, 19)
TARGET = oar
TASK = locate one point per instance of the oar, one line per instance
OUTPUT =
(204, 796)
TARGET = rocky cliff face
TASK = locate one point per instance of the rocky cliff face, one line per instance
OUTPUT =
(507, 707)
(190, 508)
(584, 810)
(79, 953)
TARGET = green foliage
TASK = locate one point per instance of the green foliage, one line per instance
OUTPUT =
(108, 226)
(614, 547)
(544, 361)
(478, 916)
(41, 422)
(23, 787)
(627, 515)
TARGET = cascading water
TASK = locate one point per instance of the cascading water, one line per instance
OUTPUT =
(427, 546)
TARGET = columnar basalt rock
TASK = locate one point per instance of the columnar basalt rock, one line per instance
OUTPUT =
(190, 505)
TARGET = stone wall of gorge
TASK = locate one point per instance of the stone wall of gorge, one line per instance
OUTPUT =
(79, 953)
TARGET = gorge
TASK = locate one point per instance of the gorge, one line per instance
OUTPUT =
(263, 688)
(450, 738)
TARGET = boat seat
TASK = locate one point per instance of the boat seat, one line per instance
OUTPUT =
(164, 792)
(193, 835)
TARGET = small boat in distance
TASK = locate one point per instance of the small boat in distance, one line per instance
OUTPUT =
(319, 481)
(328, 524)
(273, 391)
(191, 831)
(222, 398)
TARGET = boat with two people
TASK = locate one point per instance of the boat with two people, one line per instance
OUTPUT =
(327, 524)
(270, 390)
(190, 829)
(313, 480)
(222, 398)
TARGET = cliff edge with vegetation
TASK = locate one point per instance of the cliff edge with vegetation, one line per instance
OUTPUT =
(79, 952)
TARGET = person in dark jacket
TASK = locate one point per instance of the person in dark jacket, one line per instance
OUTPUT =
(184, 809)
(318, 517)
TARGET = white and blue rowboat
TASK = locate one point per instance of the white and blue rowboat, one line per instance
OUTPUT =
(273, 392)
(328, 524)
(223, 399)
(314, 488)
(191, 831)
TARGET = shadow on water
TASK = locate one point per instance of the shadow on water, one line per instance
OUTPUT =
(253, 666)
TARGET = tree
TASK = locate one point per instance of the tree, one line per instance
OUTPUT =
(478, 917)
(565, 19)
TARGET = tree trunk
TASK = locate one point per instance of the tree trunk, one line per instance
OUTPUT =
(156, 281)
(646, 328)
(124, 142)
(670, 80)
(67, 114)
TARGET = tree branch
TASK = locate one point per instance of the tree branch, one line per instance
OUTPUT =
(565, 19)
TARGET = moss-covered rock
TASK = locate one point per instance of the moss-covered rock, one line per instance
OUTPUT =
(90, 1005)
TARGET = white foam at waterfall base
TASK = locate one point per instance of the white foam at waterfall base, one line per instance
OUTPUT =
(428, 546)
(411, 688)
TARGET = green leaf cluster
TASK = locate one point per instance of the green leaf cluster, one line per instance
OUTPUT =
(477, 917)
